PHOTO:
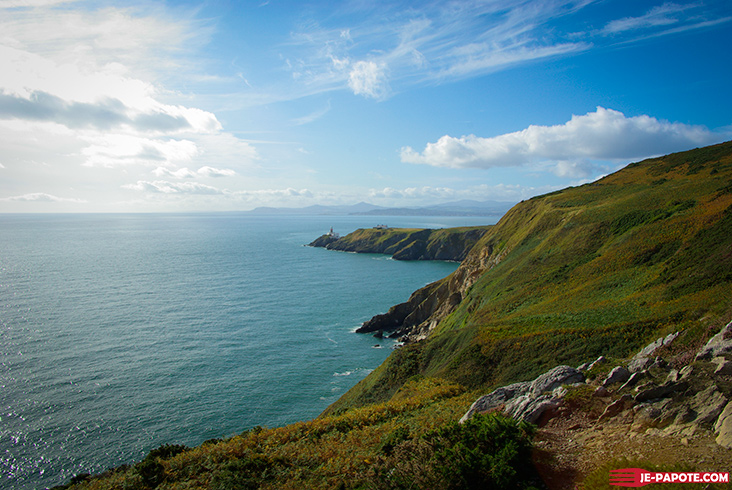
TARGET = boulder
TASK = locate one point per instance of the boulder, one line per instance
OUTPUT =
(642, 359)
(618, 375)
(596, 362)
(560, 375)
(495, 399)
(622, 403)
(708, 404)
(529, 409)
(662, 391)
(633, 380)
(723, 427)
(601, 392)
(528, 401)
(724, 367)
(720, 344)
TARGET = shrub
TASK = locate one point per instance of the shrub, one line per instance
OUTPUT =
(150, 470)
(486, 452)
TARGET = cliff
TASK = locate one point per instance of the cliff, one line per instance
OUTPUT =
(407, 243)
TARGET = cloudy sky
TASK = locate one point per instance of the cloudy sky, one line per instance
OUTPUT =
(229, 105)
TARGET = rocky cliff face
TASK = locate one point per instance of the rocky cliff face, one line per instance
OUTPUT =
(407, 244)
(414, 319)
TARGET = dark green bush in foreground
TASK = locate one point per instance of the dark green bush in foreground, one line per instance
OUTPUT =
(486, 452)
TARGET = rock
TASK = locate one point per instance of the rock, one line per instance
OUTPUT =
(666, 389)
(633, 380)
(724, 367)
(495, 399)
(709, 404)
(584, 367)
(686, 372)
(530, 400)
(597, 362)
(530, 408)
(684, 415)
(601, 392)
(560, 375)
(652, 415)
(622, 403)
(718, 345)
(723, 427)
(639, 364)
(618, 375)
(643, 358)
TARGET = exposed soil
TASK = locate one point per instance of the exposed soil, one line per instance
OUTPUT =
(573, 444)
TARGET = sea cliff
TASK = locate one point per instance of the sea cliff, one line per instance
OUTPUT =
(451, 244)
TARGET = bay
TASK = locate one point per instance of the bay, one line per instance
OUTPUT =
(119, 333)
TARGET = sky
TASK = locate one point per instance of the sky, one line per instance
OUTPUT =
(180, 106)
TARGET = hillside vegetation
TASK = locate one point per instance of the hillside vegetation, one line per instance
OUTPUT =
(600, 269)
(563, 278)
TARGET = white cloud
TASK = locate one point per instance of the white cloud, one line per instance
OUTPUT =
(110, 150)
(369, 78)
(165, 187)
(601, 135)
(438, 42)
(41, 197)
(658, 16)
(81, 88)
(184, 173)
(215, 172)
(7, 4)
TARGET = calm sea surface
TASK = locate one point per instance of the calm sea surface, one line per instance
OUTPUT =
(119, 333)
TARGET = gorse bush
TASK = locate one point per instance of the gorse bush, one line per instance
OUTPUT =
(486, 452)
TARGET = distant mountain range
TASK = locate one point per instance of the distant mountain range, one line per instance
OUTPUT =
(457, 208)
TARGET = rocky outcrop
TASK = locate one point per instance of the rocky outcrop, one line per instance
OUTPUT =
(719, 345)
(655, 400)
(643, 358)
(529, 400)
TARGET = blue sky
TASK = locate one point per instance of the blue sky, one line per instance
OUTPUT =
(224, 105)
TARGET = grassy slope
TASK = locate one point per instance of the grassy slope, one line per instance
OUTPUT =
(599, 269)
(594, 270)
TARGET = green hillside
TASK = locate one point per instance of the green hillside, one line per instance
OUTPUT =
(594, 270)
(563, 278)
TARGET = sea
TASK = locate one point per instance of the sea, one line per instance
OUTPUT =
(123, 332)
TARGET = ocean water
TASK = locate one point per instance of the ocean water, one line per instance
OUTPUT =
(119, 333)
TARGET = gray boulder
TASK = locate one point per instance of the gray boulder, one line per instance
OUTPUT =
(642, 359)
(724, 367)
(723, 427)
(528, 401)
(708, 404)
(495, 399)
(720, 344)
(662, 391)
(634, 379)
(618, 375)
(529, 408)
(560, 375)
